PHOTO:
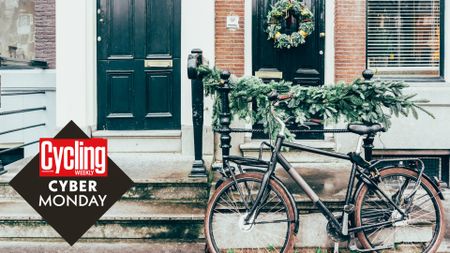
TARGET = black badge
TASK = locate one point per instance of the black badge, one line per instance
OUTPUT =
(71, 213)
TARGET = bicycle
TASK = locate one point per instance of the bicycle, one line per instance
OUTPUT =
(390, 204)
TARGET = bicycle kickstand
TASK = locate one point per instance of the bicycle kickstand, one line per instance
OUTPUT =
(336, 247)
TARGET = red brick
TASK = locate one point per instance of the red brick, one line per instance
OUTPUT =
(350, 39)
(45, 31)
(229, 44)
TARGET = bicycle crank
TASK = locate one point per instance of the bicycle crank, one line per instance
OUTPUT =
(334, 233)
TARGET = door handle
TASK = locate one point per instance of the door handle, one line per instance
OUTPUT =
(322, 35)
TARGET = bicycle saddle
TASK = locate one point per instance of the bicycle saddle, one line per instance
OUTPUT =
(365, 129)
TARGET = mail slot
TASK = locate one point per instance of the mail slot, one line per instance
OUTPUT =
(269, 74)
(158, 63)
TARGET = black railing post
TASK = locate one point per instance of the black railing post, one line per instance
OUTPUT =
(195, 59)
(2, 168)
(225, 116)
(368, 141)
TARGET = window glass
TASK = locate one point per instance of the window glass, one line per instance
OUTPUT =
(17, 29)
(403, 37)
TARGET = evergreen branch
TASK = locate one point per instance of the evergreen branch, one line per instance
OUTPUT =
(357, 102)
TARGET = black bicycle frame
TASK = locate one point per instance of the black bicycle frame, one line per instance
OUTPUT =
(356, 172)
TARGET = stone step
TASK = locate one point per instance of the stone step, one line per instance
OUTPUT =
(125, 220)
(172, 192)
(178, 192)
(156, 177)
(251, 149)
(109, 246)
(312, 234)
(155, 141)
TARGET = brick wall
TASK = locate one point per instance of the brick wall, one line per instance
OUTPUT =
(230, 44)
(45, 30)
(350, 39)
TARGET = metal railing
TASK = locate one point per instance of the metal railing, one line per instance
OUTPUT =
(11, 63)
(19, 111)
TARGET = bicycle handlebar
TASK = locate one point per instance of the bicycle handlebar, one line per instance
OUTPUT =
(275, 97)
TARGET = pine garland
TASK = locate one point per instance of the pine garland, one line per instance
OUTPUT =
(358, 102)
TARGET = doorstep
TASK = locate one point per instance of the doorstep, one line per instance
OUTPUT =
(146, 141)
(140, 167)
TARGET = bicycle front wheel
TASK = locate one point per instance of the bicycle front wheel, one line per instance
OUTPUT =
(423, 227)
(271, 231)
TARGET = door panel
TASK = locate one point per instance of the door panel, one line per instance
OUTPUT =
(159, 22)
(158, 103)
(138, 64)
(121, 39)
(120, 88)
(117, 91)
(162, 101)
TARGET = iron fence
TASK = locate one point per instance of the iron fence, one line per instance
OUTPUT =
(11, 63)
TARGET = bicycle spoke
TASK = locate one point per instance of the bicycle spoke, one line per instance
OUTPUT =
(412, 233)
(267, 233)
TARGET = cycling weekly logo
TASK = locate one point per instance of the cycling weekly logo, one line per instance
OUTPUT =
(71, 183)
(73, 158)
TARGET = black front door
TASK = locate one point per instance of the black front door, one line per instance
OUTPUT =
(138, 52)
(302, 65)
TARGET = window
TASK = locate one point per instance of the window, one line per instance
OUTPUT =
(404, 37)
(17, 29)
(435, 165)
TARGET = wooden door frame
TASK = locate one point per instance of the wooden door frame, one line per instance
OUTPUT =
(321, 26)
(176, 54)
(329, 15)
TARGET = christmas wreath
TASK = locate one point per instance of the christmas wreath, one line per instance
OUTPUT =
(283, 12)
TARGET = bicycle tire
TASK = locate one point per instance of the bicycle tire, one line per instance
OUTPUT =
(289, 239)
(405, 238)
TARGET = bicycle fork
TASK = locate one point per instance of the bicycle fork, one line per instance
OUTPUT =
(261, 197)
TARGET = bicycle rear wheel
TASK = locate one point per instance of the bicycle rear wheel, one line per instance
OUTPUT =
(423, 228)
(271, 231)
